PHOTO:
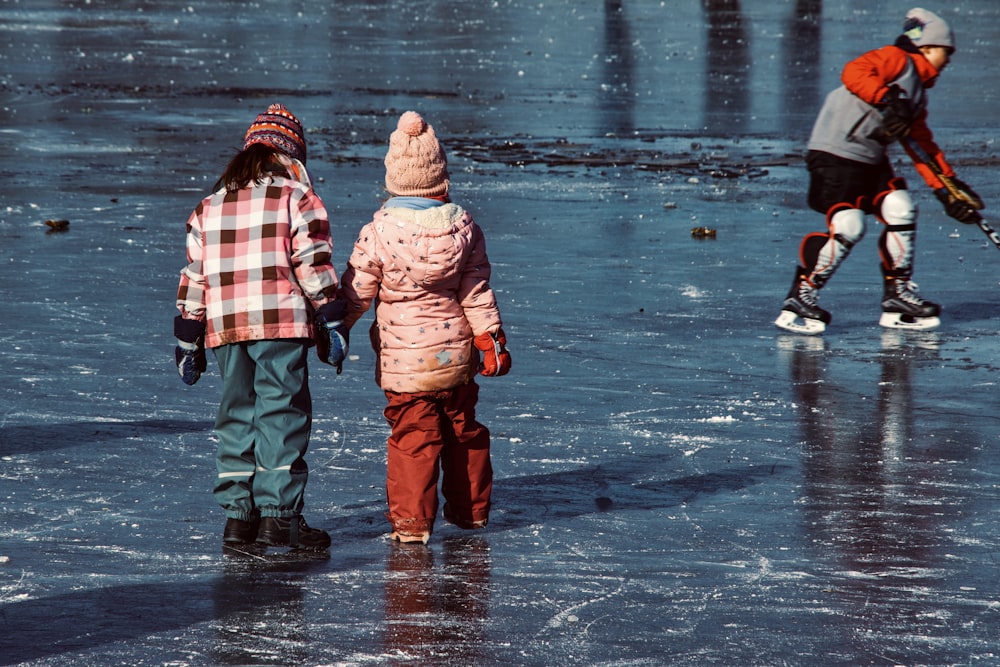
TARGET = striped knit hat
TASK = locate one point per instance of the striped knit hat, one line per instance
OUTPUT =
(279, 129)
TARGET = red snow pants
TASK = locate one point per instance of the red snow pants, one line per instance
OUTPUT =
(432, 431)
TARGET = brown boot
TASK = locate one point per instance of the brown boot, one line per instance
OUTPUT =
(411, 531)
(410, 538)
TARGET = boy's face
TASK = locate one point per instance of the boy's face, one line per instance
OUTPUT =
(937, 56)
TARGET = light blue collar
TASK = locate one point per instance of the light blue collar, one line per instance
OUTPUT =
(414, 203)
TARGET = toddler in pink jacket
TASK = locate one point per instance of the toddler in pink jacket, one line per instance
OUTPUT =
(423, 260)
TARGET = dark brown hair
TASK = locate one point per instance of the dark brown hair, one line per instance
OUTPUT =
(250, 165)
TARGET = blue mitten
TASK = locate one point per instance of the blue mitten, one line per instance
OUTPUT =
(332, 336)
(190, 351)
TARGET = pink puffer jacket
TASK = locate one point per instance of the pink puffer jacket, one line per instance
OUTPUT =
(429, 272)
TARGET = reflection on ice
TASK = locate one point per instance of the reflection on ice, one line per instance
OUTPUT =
(878, 506)
(437, 612)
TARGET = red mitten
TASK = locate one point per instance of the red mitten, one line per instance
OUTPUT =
(496, 358)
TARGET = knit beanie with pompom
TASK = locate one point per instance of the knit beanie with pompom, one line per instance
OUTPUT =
(415, 165)
(926, 28)
(280, 129)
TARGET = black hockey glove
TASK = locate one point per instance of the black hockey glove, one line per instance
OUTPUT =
(190, 351)
(968, 194)
(964, 207)
(897, 115)
(958, 209)
(332, 337)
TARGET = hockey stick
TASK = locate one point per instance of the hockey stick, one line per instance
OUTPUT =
(921, 156)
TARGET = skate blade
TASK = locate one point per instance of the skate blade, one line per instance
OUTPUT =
(789, 321)
(247, 550)
(901, 321)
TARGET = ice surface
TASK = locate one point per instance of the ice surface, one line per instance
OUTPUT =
(678, 482)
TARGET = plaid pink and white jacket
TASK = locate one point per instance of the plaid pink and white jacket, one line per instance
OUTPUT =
(258, 263)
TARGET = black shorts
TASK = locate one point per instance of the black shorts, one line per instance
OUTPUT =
(833, 180)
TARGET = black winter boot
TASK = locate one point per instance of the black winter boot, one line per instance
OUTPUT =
(238, 531)
(291, 532)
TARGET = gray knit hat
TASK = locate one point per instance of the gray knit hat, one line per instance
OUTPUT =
(926, 28)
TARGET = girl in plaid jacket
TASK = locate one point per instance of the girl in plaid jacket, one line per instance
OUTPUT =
(259, 269)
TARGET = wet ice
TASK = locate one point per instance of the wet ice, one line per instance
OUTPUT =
(677, 482)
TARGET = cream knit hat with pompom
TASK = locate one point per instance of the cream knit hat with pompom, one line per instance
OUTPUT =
(415, 165)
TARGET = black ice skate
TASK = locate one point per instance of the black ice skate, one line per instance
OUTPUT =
(903, 308)
(801, 313)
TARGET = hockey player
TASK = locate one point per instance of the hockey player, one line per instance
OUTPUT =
(883, 98)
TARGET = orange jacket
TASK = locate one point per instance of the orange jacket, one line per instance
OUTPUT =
(868, 77)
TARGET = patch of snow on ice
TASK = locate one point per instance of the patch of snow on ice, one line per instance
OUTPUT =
(693, 292)
(722, 419)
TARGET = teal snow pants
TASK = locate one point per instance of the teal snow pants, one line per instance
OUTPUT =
(263, 426)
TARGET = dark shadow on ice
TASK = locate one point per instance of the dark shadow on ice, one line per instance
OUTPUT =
(616, 485)
(616, 99)
(254, 606)
(619, 485)
(78, 621)
(437, 613)
(258, 617)
(727, 104)
(973, 311)
(35, 438)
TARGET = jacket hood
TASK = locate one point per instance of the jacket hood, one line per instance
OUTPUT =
(430, 242)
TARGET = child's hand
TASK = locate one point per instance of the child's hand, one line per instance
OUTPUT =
(897, 114)
(190, 351)
(332, 337)
(191, 361)
(496, 358)
(957, 208)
